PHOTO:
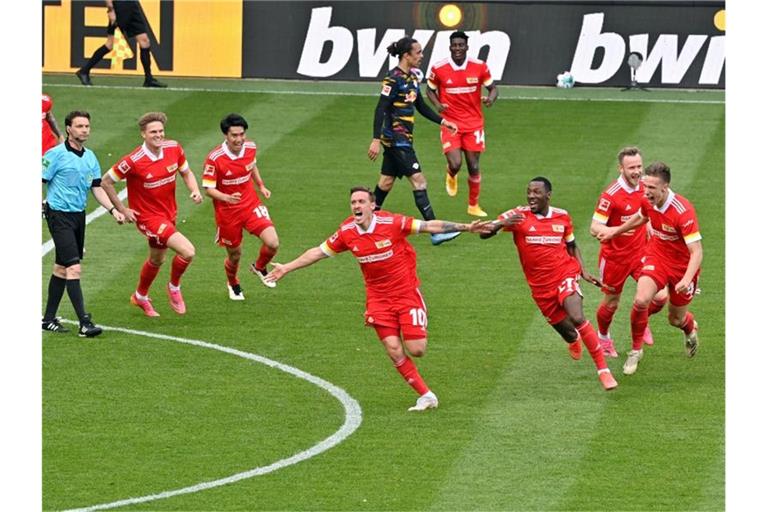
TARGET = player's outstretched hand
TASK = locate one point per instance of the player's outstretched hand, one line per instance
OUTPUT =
(374, 149)
(606, 234)
(277, 272)
(513, 220)
(481, 226)
(265, 192)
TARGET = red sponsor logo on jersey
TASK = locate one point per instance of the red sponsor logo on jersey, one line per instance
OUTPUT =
(604, 205)
(209, 170)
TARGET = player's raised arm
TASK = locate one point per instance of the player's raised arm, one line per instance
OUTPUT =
(446, 226)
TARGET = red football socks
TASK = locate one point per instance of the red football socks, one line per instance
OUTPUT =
(589, 337)
(639, 320)
(147, 275)
(604, 319)
(178, 267)
(231, 270)
(411, 375)
(265, 256)
(656, 306)
(474, 188)
(687, 325)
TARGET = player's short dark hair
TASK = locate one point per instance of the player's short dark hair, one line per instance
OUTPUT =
(660, 170)
(459, 34)
(545, 181)
(233, 120)
(401, 46)
(362, 188)
(628, 151)
(74, 114)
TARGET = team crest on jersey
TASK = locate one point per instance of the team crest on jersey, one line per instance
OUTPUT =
(667, 228)
(172, 168)
(604, 205)
(383, 243)
(209, 170)
(385, 90)
(471, 79)
(250, 166)
(558, 228)
(411, 96)
(649, 267)
(123, 167)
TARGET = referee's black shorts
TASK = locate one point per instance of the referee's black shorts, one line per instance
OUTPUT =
(129, 18)
(68, 233)
(399, 161)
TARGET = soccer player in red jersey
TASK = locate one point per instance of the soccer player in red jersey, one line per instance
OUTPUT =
(622, 256)
(229, 175)
(552, 266)
(51, 133)
(672, 260)
(454, 86)
(394, 305)
(150, 173)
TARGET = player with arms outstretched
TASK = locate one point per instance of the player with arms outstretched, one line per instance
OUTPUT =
(394, 305)
(552, 265)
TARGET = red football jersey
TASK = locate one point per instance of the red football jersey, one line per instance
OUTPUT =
(617, 204)
(387, 260)
(673, 227)
(460, 88)
(49, 139)
(151, 179)
(540, 242)
(230, 173)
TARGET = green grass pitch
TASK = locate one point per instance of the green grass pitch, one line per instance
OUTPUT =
(520, 425)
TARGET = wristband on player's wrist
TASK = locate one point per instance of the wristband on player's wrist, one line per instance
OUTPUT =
(111, 210)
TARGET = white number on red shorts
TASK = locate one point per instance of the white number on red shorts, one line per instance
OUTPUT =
(418, 316)
(569, 285)
(480, 136)
(261, 212)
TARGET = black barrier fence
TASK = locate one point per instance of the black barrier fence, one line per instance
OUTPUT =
(682, 44)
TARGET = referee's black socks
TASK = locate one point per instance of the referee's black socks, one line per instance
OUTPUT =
(379, 196)
(422, 203)
(76, 296)
(56, 288)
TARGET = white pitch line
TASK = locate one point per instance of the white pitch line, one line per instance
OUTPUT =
(373, 94)
(352, 412)
(95, 214)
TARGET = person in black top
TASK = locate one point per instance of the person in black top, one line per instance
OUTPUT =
(127, 15)
(393, 128)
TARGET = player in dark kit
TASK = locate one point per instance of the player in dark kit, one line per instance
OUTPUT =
(393, 128)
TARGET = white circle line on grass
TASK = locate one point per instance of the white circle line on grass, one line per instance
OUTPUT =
(353, 417)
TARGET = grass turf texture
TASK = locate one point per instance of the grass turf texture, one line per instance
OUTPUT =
(520, 425)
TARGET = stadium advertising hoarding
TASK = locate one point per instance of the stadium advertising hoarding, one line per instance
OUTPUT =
(528, 43)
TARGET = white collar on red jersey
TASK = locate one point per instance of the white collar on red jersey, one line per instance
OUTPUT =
(670, 198)
(463, 64)
(150, 154)
(370, 229)
(230, 154)
(623, 184)
(547, 216)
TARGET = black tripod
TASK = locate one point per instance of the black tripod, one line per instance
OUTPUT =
(633, 85)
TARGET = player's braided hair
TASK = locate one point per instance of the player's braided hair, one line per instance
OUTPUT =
(401, 46)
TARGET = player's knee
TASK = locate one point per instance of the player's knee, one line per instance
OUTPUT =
(273, 245)
(577, 319)
(675, 320)
(73, 272)
(641, 302)
(417, 351)
(188, 253)
(143, 40)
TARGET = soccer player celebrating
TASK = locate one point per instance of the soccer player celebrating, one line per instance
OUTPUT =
(394, 305)
(150, 172)
(672, 260)
(622, 256)
(229, 175)
(552, 266)
(454, 86)
(393, 127)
